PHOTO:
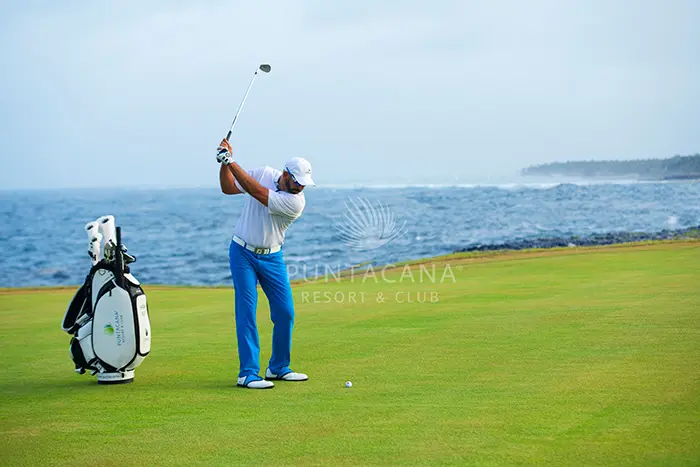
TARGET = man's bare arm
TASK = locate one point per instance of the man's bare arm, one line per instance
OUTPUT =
(249, 184)
(227, 182)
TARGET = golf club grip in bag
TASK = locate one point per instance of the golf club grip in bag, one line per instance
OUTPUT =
(108, 319)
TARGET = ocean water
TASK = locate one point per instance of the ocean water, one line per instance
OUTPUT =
(181, 236)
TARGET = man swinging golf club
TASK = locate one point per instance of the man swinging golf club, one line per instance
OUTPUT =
(275, 201)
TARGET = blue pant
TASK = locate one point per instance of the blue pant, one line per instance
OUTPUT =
(247, 269)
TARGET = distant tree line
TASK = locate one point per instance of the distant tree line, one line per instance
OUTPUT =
(677, 167)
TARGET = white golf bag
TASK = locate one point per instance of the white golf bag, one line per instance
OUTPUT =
(108, 316)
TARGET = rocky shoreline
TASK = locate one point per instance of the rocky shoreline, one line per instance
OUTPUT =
(589, 240)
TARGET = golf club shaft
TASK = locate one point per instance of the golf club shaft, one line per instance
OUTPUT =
(119, 260)
(240, 107)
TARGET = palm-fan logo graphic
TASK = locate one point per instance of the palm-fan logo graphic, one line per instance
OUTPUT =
(366, 227)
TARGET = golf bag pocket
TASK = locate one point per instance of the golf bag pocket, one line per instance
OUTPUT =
(76, 353)
(114, 339)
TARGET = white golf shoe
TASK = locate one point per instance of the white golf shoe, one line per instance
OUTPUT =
(289, 376)
(254, 382)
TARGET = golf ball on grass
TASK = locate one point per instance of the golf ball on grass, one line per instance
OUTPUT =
(348, 384)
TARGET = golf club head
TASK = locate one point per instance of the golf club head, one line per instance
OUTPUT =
(265, 67)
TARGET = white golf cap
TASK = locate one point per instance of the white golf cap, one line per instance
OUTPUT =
(300, 168)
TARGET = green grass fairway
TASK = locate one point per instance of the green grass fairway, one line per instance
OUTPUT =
(565, 357)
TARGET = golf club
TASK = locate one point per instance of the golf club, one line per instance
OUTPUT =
(264, 68)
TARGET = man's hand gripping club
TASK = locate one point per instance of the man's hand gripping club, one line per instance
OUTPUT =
(224, 153)
(230, 171)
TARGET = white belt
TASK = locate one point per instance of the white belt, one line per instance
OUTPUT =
(256, 250)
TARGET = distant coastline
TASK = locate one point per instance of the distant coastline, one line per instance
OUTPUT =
(600, 239)
(674, 168)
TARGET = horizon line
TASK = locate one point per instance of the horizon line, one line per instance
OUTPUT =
(350, 186)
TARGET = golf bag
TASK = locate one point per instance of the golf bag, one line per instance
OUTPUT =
(108, 316)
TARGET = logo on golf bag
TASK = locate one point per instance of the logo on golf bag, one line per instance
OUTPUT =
(109, 330)
(119, 327)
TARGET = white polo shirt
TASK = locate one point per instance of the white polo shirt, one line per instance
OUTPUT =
(264, 226)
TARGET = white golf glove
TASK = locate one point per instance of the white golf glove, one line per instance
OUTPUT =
(223, 153)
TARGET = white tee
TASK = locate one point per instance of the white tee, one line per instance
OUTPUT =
(264, 226)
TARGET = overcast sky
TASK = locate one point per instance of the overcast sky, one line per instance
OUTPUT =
(139, 93)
